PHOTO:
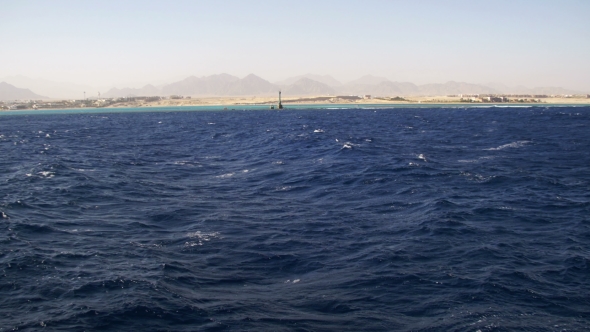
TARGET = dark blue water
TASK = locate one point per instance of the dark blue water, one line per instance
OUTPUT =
(301, 220)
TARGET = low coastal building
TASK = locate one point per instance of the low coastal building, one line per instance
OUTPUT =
(17, 107)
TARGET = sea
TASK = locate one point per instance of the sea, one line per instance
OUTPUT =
(315, 218)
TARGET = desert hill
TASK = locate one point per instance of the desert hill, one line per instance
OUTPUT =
(10, 92)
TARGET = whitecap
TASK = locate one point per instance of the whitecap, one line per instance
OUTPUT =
(84, 170)
(200, 238)
(187, 163)
(318, 131)
(47, 174)
(475, 160)
(224, 176)
(515, 145)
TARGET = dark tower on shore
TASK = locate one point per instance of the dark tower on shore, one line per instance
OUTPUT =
(280, 104)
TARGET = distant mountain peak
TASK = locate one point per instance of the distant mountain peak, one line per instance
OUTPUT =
(10, 92)
(251, 76)
(325, 79)
(304, 79)
(222, 76)
(369, 79)
(307, 86)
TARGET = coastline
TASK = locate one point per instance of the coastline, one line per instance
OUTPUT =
(233, 103)
(327, 100)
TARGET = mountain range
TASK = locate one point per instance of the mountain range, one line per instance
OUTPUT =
(310, 84)
(252, 85)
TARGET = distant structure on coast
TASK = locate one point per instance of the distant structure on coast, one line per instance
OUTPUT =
(280, 106)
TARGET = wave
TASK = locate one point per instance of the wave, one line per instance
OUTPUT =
(513, 145)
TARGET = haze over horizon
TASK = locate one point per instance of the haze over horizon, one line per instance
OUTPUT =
(133, 43)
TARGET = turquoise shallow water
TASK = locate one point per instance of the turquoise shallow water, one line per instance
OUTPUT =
(266, 107)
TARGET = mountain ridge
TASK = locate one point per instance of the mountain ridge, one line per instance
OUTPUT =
(11, 92)
(303, 85)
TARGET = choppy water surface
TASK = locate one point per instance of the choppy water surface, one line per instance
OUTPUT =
(309, 220)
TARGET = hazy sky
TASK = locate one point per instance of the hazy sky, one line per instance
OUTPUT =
(125, 43)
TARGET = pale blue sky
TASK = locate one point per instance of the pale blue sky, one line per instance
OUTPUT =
(528, 42)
